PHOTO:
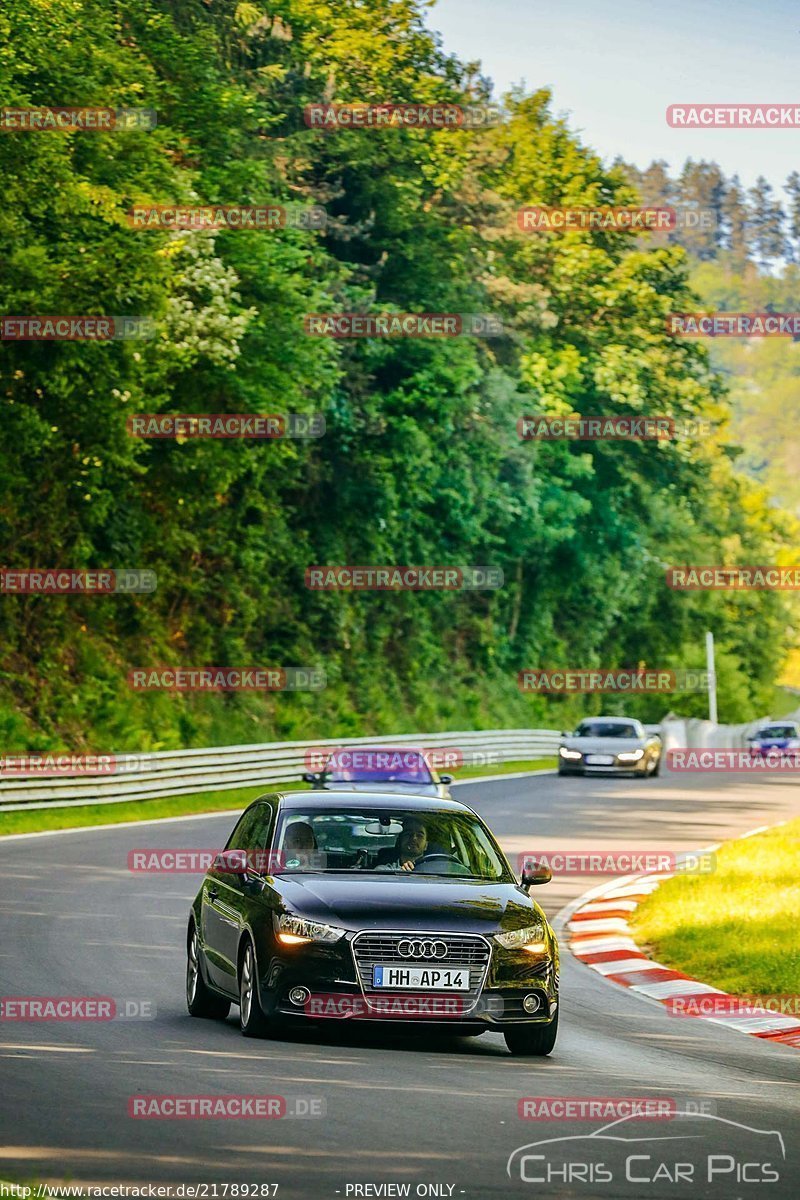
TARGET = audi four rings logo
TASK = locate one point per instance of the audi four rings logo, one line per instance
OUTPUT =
(417, 948)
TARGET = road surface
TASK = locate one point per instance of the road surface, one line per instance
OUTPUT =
(439, 1115)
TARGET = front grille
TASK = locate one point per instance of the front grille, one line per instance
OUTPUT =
(463, 950)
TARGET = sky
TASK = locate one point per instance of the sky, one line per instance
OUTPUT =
(615, 67)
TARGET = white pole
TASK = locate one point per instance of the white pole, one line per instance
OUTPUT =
(712, 679)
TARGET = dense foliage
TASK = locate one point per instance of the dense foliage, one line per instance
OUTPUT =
(421, 462)
(745, 259)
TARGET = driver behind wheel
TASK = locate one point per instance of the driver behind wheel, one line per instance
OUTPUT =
(299, 847)
(411, 845)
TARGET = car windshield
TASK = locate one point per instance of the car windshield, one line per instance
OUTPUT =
(378, 766)
(371, 841)
(778, 731)
(606, 729)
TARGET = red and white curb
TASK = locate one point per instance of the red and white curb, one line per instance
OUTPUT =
(599, 937)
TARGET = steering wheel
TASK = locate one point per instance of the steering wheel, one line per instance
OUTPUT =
(427, 858)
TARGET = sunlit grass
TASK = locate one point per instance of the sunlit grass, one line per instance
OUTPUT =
(737, 928)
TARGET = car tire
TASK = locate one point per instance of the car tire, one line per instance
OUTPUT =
(252, 1020)
(657, 768)
(200, 1000)
(532, 1040)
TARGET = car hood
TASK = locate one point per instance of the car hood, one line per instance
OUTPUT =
(378, 901)
(603, 745)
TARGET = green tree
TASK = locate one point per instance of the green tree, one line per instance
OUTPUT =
(767, 222)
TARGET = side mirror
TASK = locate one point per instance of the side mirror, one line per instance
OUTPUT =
(535, 873)
(308, 777)
(565, 733)
(445, 779)
(231, 862)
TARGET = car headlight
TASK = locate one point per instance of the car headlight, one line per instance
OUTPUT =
(630, 755)
(293, 930)
(757, 746)
(565, 753)
(530, 938)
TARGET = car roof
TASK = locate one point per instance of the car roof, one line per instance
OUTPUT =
(383, 800)
(609, 720)
(382, 748)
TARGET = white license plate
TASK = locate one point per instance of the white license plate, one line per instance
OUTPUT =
(440, 979)
(600, 760)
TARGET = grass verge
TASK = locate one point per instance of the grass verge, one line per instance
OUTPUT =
(735, 929)
(197, 802)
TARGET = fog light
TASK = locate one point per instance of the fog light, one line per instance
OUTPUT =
(531, 1004)
(299, 995)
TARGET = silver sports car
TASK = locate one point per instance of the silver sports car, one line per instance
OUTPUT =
(609, 746)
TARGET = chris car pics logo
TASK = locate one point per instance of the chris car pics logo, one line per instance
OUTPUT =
(697, 1153)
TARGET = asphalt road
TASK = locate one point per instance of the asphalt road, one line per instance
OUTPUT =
(437, 1114)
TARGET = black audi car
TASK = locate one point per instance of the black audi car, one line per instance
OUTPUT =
(327, 906)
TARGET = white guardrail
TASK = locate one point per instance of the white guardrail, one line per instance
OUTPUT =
(693, 731)
(177, 772)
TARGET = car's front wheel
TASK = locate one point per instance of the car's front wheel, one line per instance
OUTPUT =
(200, 1000)
(532, 1039)
(252, 1021)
